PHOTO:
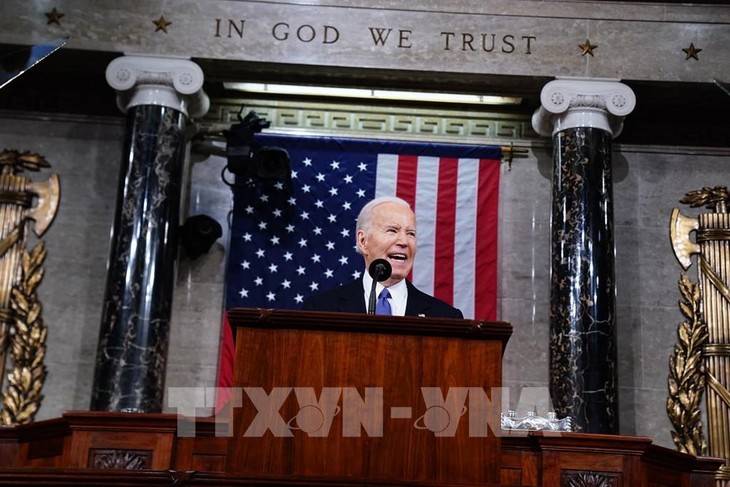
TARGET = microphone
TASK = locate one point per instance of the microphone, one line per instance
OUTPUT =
(380, 270)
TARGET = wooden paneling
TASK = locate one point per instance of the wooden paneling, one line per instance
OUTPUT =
(313, 351)
(526, 460)
(390, 358)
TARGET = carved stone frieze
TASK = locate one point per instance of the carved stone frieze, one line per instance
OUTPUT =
(368, 120)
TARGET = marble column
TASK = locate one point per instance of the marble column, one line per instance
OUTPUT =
(583, 116)
(157, 94)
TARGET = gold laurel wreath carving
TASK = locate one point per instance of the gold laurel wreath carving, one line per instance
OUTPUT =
(686, 373)
(708, 197)
(23, 397)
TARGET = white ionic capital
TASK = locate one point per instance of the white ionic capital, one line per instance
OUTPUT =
(583, 102)
(149, 80)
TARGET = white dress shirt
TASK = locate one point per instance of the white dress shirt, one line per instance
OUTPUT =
(398, 294)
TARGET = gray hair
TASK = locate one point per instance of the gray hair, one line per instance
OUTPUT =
(365, 218)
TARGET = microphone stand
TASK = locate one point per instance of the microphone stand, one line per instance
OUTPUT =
(380, 270)
(371, 302)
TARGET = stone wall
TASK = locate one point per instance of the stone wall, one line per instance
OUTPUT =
(631, 40)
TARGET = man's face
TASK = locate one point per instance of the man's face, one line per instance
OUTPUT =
(392, 236)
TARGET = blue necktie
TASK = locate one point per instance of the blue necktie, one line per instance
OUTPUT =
(382, 307)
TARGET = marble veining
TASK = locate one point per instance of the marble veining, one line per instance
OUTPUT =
(134, 335)
(582, 302)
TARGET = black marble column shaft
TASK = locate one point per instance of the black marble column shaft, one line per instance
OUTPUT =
(133, 339)
(583, 369)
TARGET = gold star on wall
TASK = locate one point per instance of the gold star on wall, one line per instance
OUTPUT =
(587, 48)
(161, 24)
(54, 17)
(692, 52)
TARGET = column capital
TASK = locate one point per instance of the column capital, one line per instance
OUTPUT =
(583, 102)
(151, 80)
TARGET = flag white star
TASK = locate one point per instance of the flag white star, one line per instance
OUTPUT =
(243, 293)
(305, 217)
(249, 209)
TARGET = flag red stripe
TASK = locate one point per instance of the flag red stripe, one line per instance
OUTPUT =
(485, 306)
(406, 182)
(445, 227)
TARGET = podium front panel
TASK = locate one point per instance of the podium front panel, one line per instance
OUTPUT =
(396, 400)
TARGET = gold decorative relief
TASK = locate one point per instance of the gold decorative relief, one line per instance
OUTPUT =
(686, 377)
(707, 307)
(22, 330)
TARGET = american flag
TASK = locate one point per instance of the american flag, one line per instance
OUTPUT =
(293, 238)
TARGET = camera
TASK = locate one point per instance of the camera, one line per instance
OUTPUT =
(246, 157)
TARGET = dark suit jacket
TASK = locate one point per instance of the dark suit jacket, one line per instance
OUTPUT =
(348, 298)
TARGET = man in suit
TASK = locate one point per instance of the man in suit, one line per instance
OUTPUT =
(386, 229)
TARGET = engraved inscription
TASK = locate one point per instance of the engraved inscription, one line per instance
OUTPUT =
(385, 37)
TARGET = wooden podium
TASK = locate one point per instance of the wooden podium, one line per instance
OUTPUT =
(346, 396)
(342, 400)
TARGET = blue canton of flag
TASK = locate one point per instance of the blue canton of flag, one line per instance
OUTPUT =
(292, 239)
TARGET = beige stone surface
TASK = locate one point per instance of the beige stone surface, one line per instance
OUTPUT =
(527, 38)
